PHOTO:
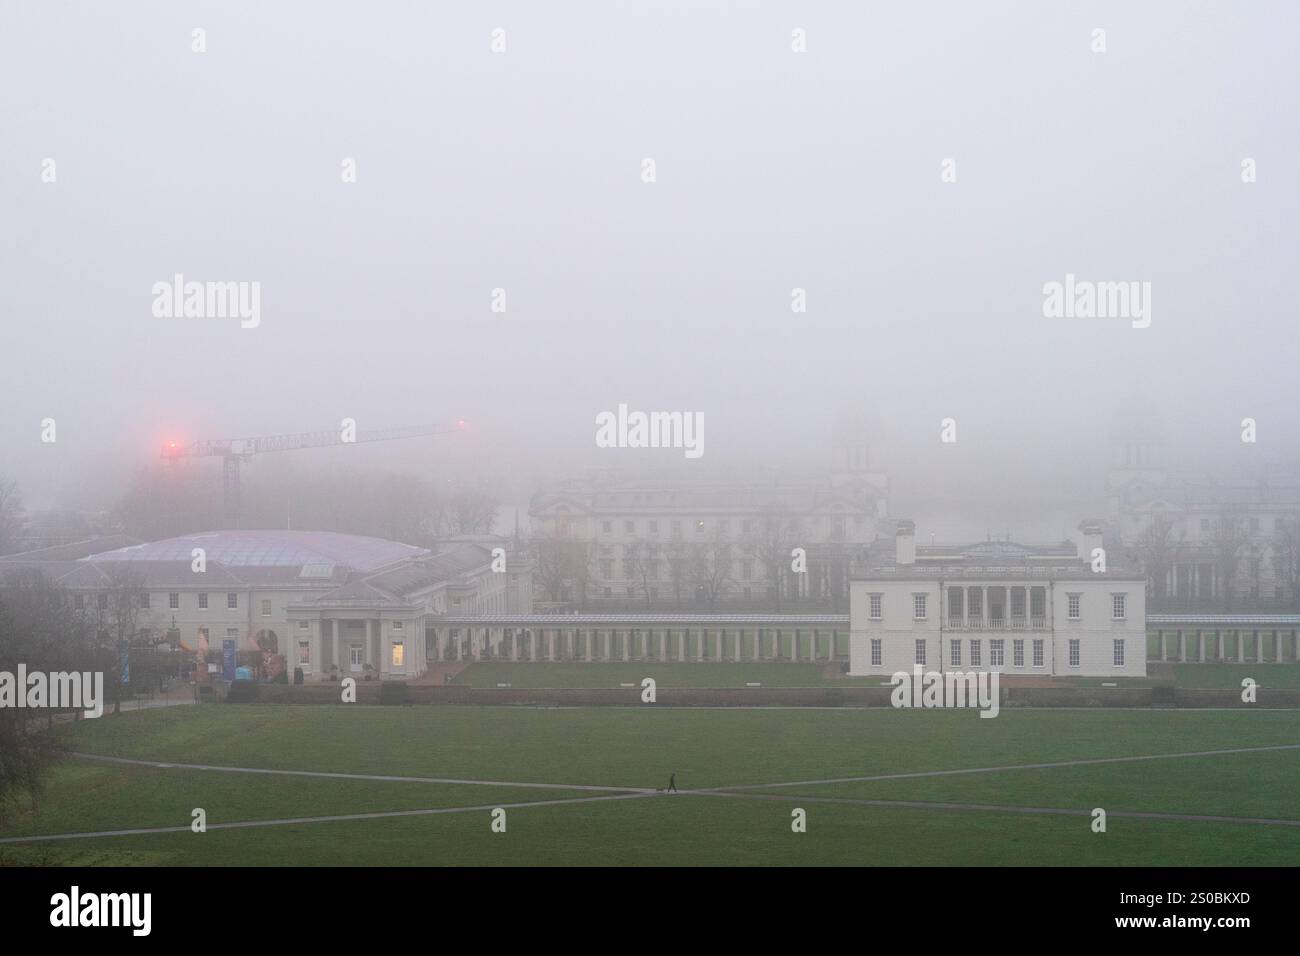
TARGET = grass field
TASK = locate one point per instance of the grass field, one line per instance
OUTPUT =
(635, 749)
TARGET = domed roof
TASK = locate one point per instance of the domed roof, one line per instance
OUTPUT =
(245, 549)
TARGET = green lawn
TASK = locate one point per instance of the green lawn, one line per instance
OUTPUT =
(638, 747)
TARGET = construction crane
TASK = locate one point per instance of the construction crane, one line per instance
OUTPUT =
(232, 451)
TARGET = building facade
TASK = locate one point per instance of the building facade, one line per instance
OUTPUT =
(331, 604)
(1207, 544)
(605, 544)
(998, 606)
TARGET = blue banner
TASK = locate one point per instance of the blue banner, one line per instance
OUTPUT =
(124, 652)
(228, 660)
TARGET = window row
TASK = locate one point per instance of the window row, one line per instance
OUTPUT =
(1074, 606)
(997, 653)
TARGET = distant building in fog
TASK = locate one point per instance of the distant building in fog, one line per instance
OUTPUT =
(705, 546)
(1206, 544)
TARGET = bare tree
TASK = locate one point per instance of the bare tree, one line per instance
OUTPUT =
(641, 562)
(1156, 549)
(1228, 543)
(473, 511)
(39, 627)
(679, 569)
(711, 568)
(772, 547)
(562, 566)
(1286, 558)
(119, 624)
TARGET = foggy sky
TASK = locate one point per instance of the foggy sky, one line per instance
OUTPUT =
(775, 170)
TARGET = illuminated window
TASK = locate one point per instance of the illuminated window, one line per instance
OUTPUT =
(399, 654)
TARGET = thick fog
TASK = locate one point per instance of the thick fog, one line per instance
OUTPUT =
(829, 171)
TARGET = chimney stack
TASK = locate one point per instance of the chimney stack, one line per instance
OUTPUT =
(905, 542)
(1089, 538)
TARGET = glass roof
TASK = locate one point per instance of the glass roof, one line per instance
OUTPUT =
(271, 549)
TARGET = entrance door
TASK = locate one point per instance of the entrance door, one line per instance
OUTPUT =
(358, 658)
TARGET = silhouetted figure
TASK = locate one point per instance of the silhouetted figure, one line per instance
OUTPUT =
(672, 783)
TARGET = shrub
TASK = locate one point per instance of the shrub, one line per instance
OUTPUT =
(242, 692)
(297, 675)
(393, 692)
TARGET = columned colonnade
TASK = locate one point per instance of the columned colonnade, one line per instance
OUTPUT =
(1233, 643)
(471, 641)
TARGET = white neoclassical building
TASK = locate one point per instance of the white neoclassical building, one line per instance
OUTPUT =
(998, 606)
(331, 604)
